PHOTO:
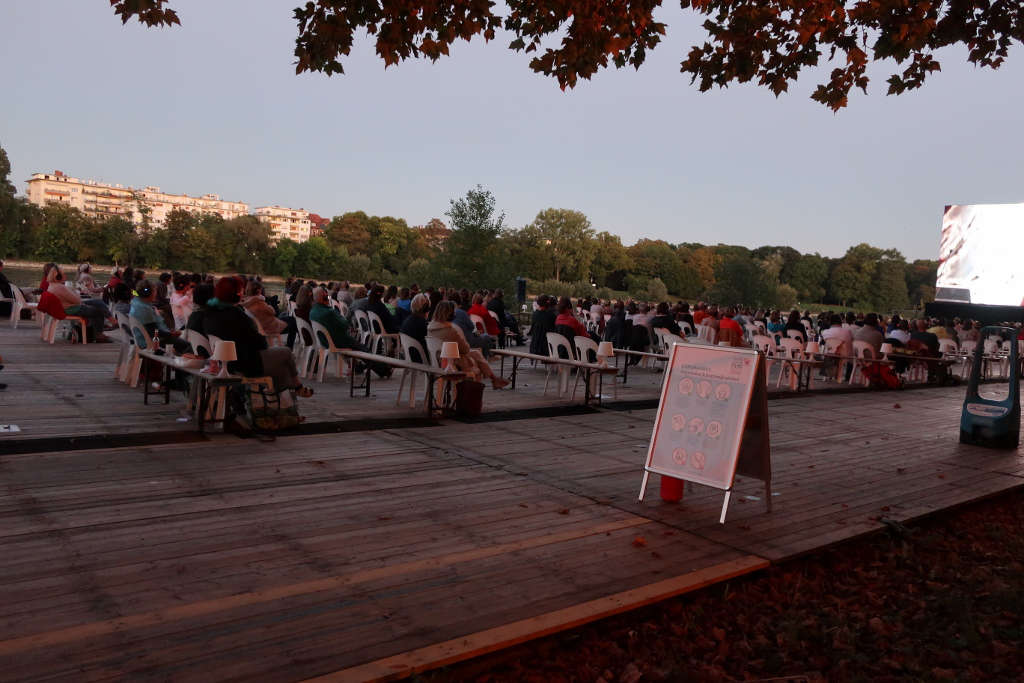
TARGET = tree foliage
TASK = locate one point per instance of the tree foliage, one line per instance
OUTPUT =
(767, 42)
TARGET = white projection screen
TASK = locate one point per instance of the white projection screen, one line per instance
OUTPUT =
(981, 260)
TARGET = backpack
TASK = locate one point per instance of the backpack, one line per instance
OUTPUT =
(881, 376)
(469, 400)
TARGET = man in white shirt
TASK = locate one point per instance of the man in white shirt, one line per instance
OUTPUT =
(843, 334)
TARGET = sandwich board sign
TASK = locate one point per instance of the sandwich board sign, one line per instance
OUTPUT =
(712, 420)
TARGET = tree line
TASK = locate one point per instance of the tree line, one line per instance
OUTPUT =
(559, 253)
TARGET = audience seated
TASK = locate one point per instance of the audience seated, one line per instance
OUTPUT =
(470, 361)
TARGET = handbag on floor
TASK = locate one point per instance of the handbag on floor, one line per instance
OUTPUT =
(469, 400)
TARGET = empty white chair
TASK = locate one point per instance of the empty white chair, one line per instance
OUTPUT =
(413, 352)
(127, 356)
(365, 331)
(18, 304)
(793, 351)
(306, 347)
(559, 347)
(948, 348)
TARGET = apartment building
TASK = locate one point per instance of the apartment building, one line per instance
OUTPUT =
(160, 204)
(285, 223)
(100, 200)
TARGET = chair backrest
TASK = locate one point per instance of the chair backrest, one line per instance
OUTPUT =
(322, 336)
(657, 338)
(863, 349)
(19, 298)
(139, 332)
(558, 343)
(364, 322)
(413, 351)
(586, 349)
(832, 346)
(707, 334)
(478, 323)
(733, 337)
(948, 346)
(968, 346)
(764, 344)
(990, 345)
(214, 340)
(793, 334)
(686, 328)
(434, 346)
(342, 307)
(305, 331)
(198, 341)
(376, 324)
(668, 339)
(125, 326)
(793, 348)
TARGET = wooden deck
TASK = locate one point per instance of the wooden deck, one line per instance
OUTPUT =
(377, 552)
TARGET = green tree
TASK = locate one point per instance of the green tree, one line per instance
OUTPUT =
(314, 258)
(476, 226)
(246, 243)
(568, 237)
(740, 279)
(656, 258)
(283, 257)
(63, 230)
(808, 277)
(757, 41)
(350, 230)
(611, 261)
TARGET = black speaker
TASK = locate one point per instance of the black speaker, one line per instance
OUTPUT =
(521, 289)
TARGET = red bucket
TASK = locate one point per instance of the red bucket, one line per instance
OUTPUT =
(671, 489)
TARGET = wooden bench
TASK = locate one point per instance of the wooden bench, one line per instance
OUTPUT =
(588, 368)
(432, 373)
(206, 384)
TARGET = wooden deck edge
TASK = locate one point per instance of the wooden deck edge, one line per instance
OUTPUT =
(483, 642)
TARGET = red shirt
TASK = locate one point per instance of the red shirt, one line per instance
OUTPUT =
(570, 320)
(730, 324)
(698, 316)
(490, 324)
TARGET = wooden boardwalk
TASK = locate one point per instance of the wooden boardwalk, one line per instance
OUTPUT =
(373, 553)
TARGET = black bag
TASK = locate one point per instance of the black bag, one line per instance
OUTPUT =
(469, 399)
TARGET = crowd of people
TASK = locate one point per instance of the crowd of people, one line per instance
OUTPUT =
(238, 308)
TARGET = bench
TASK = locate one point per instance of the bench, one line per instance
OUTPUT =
(638, 354)
(588, 368)
(433, 373)
(204, 387)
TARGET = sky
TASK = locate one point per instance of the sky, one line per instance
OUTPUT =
(215, 106)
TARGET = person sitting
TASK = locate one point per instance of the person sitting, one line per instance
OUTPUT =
(338, 327)
(470, 361)
(775, 325)
(181, 302)
(256, 306)
(6, 292)
(375, 304)
(843, 334)
(201, 296)
(86, 284)
(404, 300)
(662, 318)
(729, 330)
(970, 332)
(461, 319)
(94, 312)
(303, 302)
(542, 322)
(121, 299)
(143, 309)
(415, 324)
(45, 284)
(505, 319)
(927, 338)
(567, 325)
(793, 323)
(490, 324)
(226, 320)
(684, 315)
(869, 333)
(617, 330)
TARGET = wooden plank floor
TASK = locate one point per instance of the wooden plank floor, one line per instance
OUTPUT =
(375, 552)
(344, 553)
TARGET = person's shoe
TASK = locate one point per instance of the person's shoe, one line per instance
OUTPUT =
(2, 386)
(499, 382)
(304, 391)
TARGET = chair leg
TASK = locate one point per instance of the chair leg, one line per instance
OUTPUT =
(322, 358)
(547, 378)
(401, 386)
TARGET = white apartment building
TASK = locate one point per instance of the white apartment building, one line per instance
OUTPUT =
(99, 200)
(161, 203)
(285, 223)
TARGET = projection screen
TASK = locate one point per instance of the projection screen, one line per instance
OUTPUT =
(981, 260)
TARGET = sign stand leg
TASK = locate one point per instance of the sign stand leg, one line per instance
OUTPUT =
(768, 494)
(643, 485)
(725, 506)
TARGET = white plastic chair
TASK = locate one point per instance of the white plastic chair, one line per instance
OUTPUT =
(198, 341)
(126, 357)
(306, 347)
(365, 331)
(51, 324)
(686, 328)
(793, 351)
(413, 352)
(18, 303)
(478, 324)
(148, 345)
(707, 334)
(556, 343)
(326, 349)
(793, 334)
(862, 352)
(384, 343)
